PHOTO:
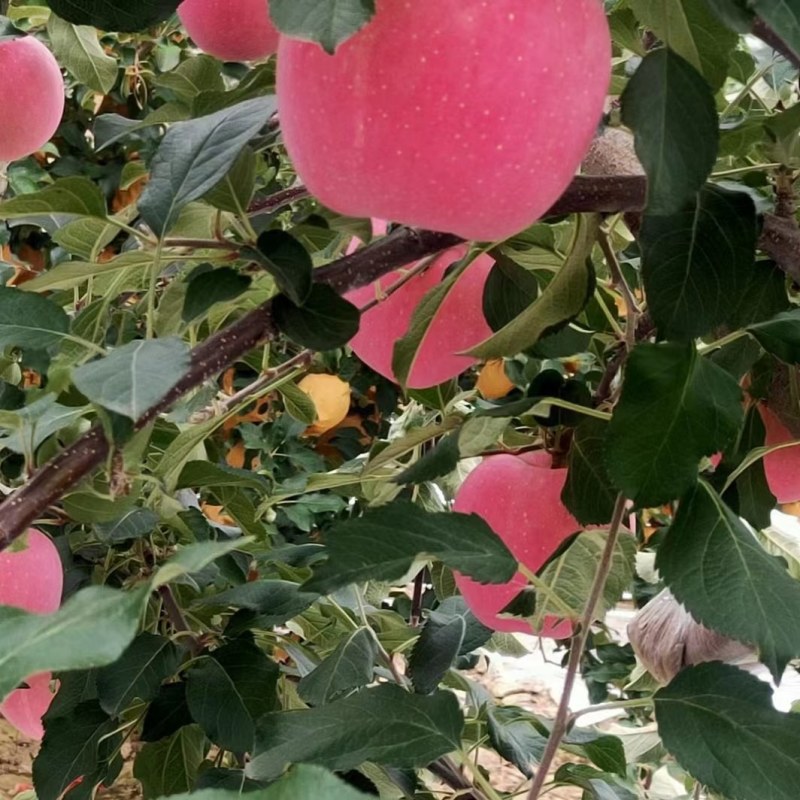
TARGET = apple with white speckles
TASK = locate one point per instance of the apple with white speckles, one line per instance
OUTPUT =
(464, 116)
(31, 579)
(458, 325)
(782, 467)
(231, 30)
(520, 498)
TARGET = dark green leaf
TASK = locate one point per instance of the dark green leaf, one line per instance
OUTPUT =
(80, 744)
(329, 22)
(74, 196)
(513, 733)
(91, 629)
(234, 779)
(670, 108)
(138, 522)
(283, 257)
(229, 690)
(138, 673)
(732, 584)
(736, 14)
(597, 785)
(168, 713)
(719, 722)
(234, 192)
(440, 460)
(436, 650)
(688, 257)
(134, 377)
(383, 544)
(195, 155)
(350, 666)
(675, 408)
(588, 493)
(269, 602)
(215, 286)
(324, 322)
(205, 475)
(604, 751)
(383, 724)
(780, 335)
(171, 765)
(30, 321)
(509, 290)
(115, 15)
(783, 16)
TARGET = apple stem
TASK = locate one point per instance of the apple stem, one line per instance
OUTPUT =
(561, 721)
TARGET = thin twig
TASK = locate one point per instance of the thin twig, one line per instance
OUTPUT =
(175, 615)
(632, 310)
(559, 728)
(273, 203)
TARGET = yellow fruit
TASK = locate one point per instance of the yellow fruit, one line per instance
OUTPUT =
(493, 383)
(331, 398)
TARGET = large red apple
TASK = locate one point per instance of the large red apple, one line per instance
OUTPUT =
(31, 579)
(458, 325)
(31, 97)
(782, 467)
(231, 30)
(463, 116)
(520, 498)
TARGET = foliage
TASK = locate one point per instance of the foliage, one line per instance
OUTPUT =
(266, 606)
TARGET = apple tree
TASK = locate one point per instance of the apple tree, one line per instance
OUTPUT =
(344, 340)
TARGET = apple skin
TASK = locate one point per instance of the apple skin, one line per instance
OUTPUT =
(463, 116)
(458, 325)
(782, 467)
(230, 30)
(31, 579)
(520, 498)
(31, 97)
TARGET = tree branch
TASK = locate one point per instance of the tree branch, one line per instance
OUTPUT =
(775, 41)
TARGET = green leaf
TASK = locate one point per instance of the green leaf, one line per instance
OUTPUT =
(78, 50)
(733, 586)
(693, 32)
(74, 196)
(27, 428)
(209, 288)
(171, 765)
(436, 650)
(783, 16)
(204, 475)
(329, 22)
(302, 783)
(325, 321)
(92, 629)
(780, 335)
(383, 724)
(283, 257)
(719, 722)
(670, 108)
(559, 303)
(736, 14)
(514, 735)
(298, 404)
(235, 191)
(138, 673)
(115, 15)
(167, 714)
(675, 408)
(440, 460)
(193, 558)
(229, 690)
(135, 524)
(30, 321)
(133, 378)
(687, 257)
(350, 666)
(82, 744)
(588, 492)
(383, 544)
(509, 290)
(195, 155)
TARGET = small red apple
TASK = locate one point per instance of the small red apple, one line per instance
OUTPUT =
(782, 467)
(231, 30)
(31, 97)
(464, 116)
(458, 325)
(520, 498)
(31, 579)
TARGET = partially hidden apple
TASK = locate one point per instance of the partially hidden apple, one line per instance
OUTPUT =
(464, 116)
(231, 30)
(520, 498)
(458, 325)
(31, 579)
(31, 97)
(782, 467)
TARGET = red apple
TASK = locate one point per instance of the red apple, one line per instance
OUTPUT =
(31, 97)
(458, 325)
(463, 116)
(231, 30)
(520, 498)
(31, 579)
(782, 467)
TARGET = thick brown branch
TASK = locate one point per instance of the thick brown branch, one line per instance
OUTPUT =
(780, 240)
(273, 203)
(775, 41)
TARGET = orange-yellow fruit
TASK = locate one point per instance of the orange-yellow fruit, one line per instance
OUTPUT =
(231, 30)
(493, 383)
(331, 397)
(31, 97)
